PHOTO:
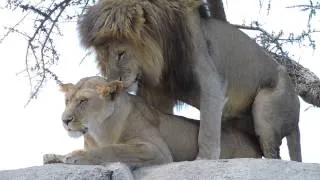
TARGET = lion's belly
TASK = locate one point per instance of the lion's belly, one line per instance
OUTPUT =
(238, 101)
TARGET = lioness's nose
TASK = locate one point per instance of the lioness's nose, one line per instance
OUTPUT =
(67, 120)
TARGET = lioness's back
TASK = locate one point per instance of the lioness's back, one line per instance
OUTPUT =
(181, 135)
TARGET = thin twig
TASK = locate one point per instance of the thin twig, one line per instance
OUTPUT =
(62, 5)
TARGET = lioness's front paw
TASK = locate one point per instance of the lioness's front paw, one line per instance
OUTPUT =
(76, 157)
(52, 158)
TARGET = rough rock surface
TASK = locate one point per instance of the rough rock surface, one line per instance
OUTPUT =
(254, 169)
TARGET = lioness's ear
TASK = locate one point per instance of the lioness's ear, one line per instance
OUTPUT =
(102, 89)
(66, 87)
(113, 88)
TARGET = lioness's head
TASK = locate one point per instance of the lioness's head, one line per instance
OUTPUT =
(138, 39)
(91, 100)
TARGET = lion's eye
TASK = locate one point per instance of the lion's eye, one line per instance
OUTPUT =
(83, 101)
(120, 55)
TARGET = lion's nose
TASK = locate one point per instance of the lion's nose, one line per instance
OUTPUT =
(67, 120)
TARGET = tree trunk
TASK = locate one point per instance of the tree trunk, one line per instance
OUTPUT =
(306, 83)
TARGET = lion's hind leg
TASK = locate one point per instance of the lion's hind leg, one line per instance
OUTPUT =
(276, 115)
(293, 141)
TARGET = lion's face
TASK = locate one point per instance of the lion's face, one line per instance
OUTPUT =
(120, 62)
(130, 62)
(86, 107)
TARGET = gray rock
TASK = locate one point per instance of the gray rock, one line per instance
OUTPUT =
(114, 171)
(254, 169)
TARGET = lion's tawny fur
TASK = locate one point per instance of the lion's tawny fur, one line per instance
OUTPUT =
(174, 55)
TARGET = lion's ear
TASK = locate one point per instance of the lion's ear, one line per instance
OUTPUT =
(66, 87)
(191, 4)
(125, 20)
(137, 19)
(113, 88)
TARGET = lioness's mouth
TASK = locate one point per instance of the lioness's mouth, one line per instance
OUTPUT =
(82, 131)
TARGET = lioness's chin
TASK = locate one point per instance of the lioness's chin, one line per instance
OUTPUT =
(77, 134)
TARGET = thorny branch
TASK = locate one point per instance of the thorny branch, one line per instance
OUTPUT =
(41, 51)
(40, 63)
(274, 42)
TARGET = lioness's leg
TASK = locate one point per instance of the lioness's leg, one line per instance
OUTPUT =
(134, 155)
(276, 115)
(238, 144)
(52, 158)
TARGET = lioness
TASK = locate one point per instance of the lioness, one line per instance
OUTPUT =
(172, 54)
(121, 127)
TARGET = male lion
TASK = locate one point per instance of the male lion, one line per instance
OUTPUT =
(121, 127)
(172, 54)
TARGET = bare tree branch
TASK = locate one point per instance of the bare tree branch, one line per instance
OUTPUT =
(48, 14)
(42, 65)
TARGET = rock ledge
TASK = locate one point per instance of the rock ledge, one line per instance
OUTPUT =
(221, 169)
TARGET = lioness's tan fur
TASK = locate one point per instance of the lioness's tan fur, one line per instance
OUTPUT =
(118, 126)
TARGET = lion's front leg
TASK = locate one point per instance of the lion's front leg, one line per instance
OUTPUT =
(212, 100)
(211, 106)
(212, 91)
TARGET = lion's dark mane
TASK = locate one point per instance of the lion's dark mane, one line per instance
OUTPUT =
(165, 21)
